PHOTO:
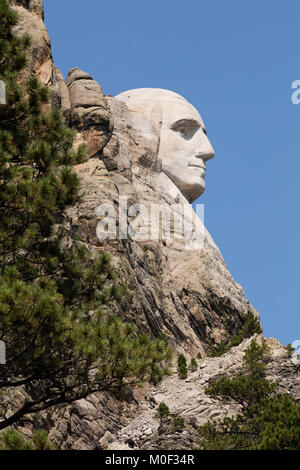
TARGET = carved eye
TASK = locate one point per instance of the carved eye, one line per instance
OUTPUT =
(181, 129)
(186, 128)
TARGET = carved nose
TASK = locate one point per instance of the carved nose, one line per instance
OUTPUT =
(205, 150)
(210, 154)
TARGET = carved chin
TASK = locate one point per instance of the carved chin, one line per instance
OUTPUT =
(194, 191)
(191, 187)
(191, 191)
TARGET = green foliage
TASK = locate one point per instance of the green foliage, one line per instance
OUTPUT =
(279, 420)
(199, 355)
(178, 423)
(11, 47)
(220, 350)
(242, 389)
(268, 420)
(289, 349)
(162, 412)
(182, 366)
(271, 424)
(256, 357)
(13, 440)
(249, 388)
(55, 296)
(193, 365)
(250, 327)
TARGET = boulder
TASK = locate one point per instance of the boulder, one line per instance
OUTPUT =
(90, 114)
(105, 440)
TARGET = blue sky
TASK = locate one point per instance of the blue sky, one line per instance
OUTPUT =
(235, 62)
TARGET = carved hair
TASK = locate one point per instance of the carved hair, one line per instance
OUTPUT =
(150, 102)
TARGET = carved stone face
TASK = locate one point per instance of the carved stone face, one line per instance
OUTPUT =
(184, 147)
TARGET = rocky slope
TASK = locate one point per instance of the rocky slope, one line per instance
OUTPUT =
(185, 293)
(187, 399)
(104, 423)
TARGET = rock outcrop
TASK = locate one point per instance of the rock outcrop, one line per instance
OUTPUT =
(80, 98)
(90, 115)
(39, 57)
(187, 399)
(33, 6)
(182, 291)
(102, 422)
(185, 293)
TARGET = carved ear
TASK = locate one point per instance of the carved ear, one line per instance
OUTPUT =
(155, 116)
(158, 163)
(145, 128)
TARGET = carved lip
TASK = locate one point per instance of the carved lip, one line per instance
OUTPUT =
(197, 166)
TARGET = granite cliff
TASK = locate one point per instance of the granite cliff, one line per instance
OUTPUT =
(186, 294)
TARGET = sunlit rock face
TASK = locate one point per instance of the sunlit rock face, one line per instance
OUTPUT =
(39, 55)
(90, 116)
(184, 147)
(34, 6)
(178, 286)
(80, 98)
(148, 145)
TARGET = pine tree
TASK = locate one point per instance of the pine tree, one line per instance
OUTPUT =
(61, 342)
(193, 364)
(251, 326)
(162, 412)
(268, 421)
(256, 358)
(182, 366)
(289, 349)
(178, 423)
(13, 440)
